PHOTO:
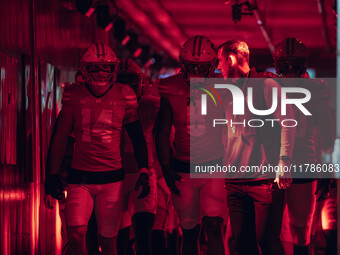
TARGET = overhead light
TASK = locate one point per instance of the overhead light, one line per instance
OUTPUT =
(104, 18)
(137, 52)
(150, 62)
(85, 7)
(126, 40)
(108, 27)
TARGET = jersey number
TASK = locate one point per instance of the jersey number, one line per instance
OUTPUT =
(100, 131)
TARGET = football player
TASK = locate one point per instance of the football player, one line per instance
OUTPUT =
(143, 210)
(290, 60)
(195, 200)
(249, 195)
(95, 111)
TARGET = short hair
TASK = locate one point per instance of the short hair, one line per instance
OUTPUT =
(238, 48)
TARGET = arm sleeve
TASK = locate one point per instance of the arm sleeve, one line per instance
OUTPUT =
(134, 129)
(148, 110)
(59, 139)
(287, 133)
(131, 113)
(162, 133)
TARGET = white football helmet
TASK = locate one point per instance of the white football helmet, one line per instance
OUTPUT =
(197, 57)
(98, 65)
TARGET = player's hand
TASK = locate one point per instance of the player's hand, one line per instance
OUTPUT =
(283, 175)
(171, 177)
(49, 201)
(322, 189)
(143, 181)
(54, 187)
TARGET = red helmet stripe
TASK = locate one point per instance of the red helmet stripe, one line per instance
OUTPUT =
(199, 46)
(194, 51)
(125, 65)
(103, 49)
(287, 46)
(97, 50)
(292, 48)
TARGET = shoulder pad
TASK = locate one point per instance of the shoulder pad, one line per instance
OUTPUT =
(72, 92)
(172, 85)
(150, 100)
(127, 93)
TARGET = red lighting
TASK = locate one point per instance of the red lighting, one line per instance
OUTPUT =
(89, 12)
(58, 230)
(108, 27)
(137, 53)
(65, 84)
(126, 40)
(150, 62)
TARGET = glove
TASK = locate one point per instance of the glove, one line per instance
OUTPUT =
(54, 186)
(143, 180)
(322, 189)
(171, 177)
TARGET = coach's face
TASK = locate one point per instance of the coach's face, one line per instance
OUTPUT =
(223, 64)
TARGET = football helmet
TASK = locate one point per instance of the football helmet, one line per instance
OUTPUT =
(290, 57)
(197, 57)
(98, 65)
(79, 77)
(130, 73)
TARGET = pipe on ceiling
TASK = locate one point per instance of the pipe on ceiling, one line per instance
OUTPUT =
(263, 29)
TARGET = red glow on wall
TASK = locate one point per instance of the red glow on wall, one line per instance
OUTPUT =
(58, 238)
